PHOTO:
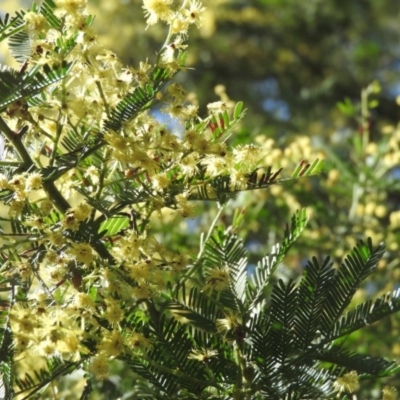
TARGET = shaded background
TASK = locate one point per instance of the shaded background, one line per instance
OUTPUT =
(300, 68)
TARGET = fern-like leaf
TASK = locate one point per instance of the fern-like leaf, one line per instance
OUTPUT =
(226, 250)
(56, 367)
(19, 40)
(365, 314)
(20, 46)
(234, 255)
(355, 362)
(15, 86)
(196, 308)
(11, 26)
(136, 101)
(306, 169)
(282, 313)
(266, 268)
(355, 268)
(313, 288)
(114, 225)
(47, 10)
(143, 369)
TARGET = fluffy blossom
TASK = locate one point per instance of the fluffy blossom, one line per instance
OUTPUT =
(112, 344)
(99, 366)
(157, 10)
(389, 393)
(347, 383)
(217, 279)
(194, 13)
(202, 354)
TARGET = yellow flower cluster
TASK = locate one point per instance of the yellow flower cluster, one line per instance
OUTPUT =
(84, 273)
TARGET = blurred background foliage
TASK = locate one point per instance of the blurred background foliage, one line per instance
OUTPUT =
(319, 79)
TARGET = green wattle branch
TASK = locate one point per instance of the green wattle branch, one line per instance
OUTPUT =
(27, 165)
(181, 374)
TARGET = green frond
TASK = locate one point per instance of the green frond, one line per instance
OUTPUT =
(312, 292)
(226, 250)
(227, 299)
(97, 204)
(172, 345)
(264, 180)
(284, 342)
(140, 367)
(52, 173)
(311, 383)
(64, 47)
(268, 178)
(196, 308)
(260, 351)
(11, 26)
(19, 40)
(128, 194)
(221, 124)
(306, 382)
(268, 265)
(144, 390)
(220, 187)
(72, 143)
(20, 236)
(202, 192)
(20, 46)
(47, 10)
(223, 248)
(238, 280)
(75, 138)
(136, 101)
(363, 364)
(114, 225)
(365, 314)
(238, 110)
(5, 382)
(282, 313)
(15, 85)
(56, 367)
(306, 169)
(175, 345)
(5, 195)
(348, 278)
(233, 254)
(18, 227)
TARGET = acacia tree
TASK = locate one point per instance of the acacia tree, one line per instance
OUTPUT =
(96, 155)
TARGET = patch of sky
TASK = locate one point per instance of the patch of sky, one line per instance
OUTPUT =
(270, 92)
(371, 289)
(394, 173)
(393, 89)
(193, 224)
(304, 263)
(172, 124)
(251, 269)
(253, 246)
